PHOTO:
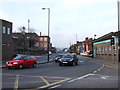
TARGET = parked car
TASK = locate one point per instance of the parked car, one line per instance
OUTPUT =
(21, 61)
(68, 59)
(59, 56)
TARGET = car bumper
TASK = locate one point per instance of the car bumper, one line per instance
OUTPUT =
(12, 66)
(66, 62)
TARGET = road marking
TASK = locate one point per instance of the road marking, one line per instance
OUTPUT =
(55, 86)
(80, 61)
(94, 71)
(81, 77)
(54, 83)
(16, 82)
(44, 80)
(98, 69)
(104, 77)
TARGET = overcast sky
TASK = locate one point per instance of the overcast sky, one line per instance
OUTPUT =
(68, 18)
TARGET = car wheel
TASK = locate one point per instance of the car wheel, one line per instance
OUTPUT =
(34, 65)
(20, 66)
(60, 64)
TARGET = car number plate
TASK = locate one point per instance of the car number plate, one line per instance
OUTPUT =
(9, 64)
(64, 62)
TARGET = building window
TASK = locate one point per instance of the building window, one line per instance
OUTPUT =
(36, 45)
(41, 44)
(106, 50)
(41, 39)
(102, 50)
(45, 39)
(99, 51)
(4, 29)
(8, 30)
(45, 44)
(110, 50)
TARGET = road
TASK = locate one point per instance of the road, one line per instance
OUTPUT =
(50, 75)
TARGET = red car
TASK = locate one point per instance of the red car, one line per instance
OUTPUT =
(21, 61)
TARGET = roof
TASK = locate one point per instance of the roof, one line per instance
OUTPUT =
(107, 36)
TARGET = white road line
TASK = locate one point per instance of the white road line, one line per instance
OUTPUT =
(80, 61)
(55, 86)
(94, 71)
(103, 77)
(99, 69)
(81, 77)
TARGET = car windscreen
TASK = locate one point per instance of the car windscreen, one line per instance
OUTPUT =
(60, 56)
(66, 56)
(19, 58)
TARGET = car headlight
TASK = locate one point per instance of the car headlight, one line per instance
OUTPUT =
(60, 60)
(15, 63)
(6, 62)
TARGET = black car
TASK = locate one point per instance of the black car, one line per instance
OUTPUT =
(59, 56)
(68, 59)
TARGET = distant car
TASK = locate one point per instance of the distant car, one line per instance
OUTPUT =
(59, 56)
(21, 61)
(68, 59)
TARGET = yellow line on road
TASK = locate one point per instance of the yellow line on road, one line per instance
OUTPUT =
(16, 82)
(53, 83)
(44, 80)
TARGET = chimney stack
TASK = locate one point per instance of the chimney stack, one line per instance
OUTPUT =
(40, 33)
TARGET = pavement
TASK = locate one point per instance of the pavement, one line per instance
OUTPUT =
(108, 63)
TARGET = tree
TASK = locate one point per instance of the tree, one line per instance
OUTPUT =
(23, 37)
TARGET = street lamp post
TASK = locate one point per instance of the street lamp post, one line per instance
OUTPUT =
(48, 28)
(28, 35)
(118, 5)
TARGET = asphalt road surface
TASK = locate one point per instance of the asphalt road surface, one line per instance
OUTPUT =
(50, 76)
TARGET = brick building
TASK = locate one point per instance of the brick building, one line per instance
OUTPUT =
(103, 48)
(42, 42)
(6, 40)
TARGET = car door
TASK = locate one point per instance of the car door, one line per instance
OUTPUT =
(27, 61)
(32, 60)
